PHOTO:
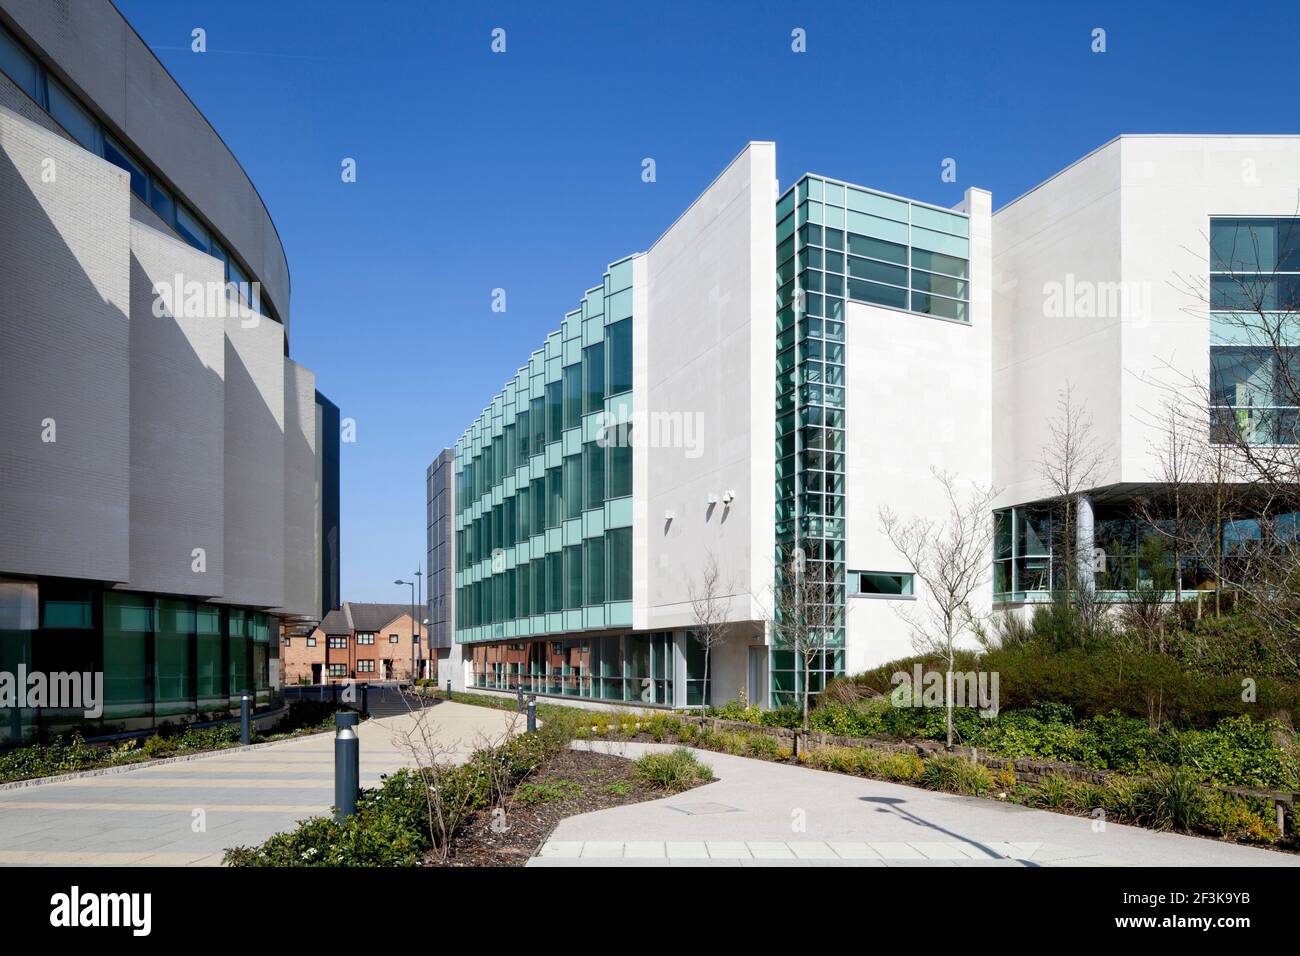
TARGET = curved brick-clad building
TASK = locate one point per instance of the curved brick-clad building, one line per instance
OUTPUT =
(168, 473)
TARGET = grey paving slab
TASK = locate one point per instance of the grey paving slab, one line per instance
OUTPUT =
(146, 815)
(791, 815)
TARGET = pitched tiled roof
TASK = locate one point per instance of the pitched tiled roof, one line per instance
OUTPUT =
(372, 617)
(336, 622)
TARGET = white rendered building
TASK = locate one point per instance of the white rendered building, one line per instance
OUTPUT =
(682, 416)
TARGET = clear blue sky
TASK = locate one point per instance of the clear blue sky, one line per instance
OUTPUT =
(522, 170)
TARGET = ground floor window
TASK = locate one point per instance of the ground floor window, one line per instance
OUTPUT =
(162, 658)
(1131, 553)
(787, 674)
(699, 690)
(631, 668)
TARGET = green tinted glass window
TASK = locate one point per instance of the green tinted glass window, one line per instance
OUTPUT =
(619, 339)
(593, 378)
(593, 457)
(554, 411)
(618, 478)
(595, 571)
(572, 396)
(618, 554)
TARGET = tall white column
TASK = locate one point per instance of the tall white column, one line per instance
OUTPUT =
(1083, 557)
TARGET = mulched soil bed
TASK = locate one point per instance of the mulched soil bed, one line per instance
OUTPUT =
(578, 780)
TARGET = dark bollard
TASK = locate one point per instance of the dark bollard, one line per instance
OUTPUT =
(347, 765)
(365, 701)
(519, 695)
(245, 719)
(532, 714)
(449, 688)
(334, 693)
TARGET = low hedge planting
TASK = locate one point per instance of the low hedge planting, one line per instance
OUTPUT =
(392, 825)
(671, 772)
(1091, 682)
(72, 754)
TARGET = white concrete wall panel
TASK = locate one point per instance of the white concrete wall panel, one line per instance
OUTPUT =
(98, 52)
(64, 340)
(177, 421)
(1171, 186)
(1054, 239)
(709, 359)
(301, 493)
(254, 464)
(917, 399)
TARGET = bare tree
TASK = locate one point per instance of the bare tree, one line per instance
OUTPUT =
(447, 805)
(710, 599)
(1070, 464)
(1253, 405)
(804, 612)
(1177, 453)
(1213, 501)
(953, 558)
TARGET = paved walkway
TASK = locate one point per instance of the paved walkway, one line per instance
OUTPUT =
(187, 812)
(761, 814)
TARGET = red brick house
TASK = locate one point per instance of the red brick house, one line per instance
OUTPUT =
(362, 642)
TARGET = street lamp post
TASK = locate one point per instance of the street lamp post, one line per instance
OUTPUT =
(399, 581)
(415, 621)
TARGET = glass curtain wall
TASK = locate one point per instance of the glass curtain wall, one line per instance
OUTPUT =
(163, 659)
(836, 243)
(544, 482)
(631, 668)
(1254, 300)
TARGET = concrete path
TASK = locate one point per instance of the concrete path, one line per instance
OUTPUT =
(187, 812)
(761, 814)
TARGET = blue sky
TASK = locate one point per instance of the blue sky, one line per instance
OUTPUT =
(522, 170)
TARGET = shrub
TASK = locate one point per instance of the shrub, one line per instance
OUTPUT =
(735, 710)
(838, 759)
(1147, 686)
(902, 767)
(1240, 752)
(386, 830)
(547, 791)
(1235, 644)
(391, 825)
(64, 755)
(956, 775)
(1005, 779)
(1172, 799)
(159, 746)
(1121, 798)
(1239, 818)
(1055, 792)
(763, 746)
(673, 771)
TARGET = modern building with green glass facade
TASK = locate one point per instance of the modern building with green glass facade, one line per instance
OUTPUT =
(784, 363)
(168, 473)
